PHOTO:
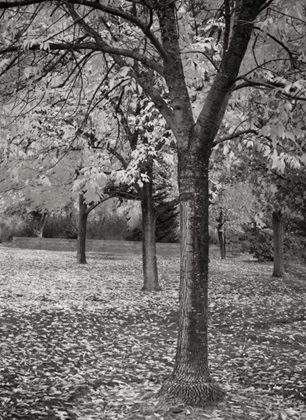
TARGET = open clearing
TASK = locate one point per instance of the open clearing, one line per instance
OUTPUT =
(83, 343)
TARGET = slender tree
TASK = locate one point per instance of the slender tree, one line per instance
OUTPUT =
(278, 243)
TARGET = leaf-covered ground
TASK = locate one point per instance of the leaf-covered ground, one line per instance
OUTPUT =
(83, 343)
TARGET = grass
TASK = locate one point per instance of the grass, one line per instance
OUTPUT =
(83, 343)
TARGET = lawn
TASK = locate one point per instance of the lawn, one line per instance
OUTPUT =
(84, 343)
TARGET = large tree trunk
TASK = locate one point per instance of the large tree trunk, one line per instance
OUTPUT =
(82, 225)
(278, 244)
(190, 380)
(149, 260)
(221, 234)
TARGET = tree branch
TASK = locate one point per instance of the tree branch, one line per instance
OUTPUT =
(268, 84)
(145, 28)
(78, 20)
(227, 18)
(290, 54)
(92, 138)
(234, 136)
(93, 206)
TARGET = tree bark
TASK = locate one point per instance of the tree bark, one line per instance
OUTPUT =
(149, 259)
(221, 234)
(190, 380)
(82, 225)
(278, 244)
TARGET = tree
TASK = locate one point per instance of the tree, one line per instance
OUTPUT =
(221, 233)
(209, 44)
(278, 185)
(41, 149)
(139, 140)
(39, 222)
(27, 191)
(278, 244)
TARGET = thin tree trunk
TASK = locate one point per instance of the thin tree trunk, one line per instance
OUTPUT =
(221, 234)
(190, 380)
(82, 225)
(278, 244)
(39, 222)
(149, 259)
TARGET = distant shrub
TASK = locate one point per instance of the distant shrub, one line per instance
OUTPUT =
(164, 232)
(233, 237)
(107, 226)
(134, 235)
(259, 243)
(167, 222)
(25, 229)
(295, 247)
(61, 226)
(15, 227)
(5, 233)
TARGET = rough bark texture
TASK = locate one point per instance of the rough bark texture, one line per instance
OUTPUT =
(278, 244)
(149, 259)
(82, 225)
(221, 234)
(190, 380)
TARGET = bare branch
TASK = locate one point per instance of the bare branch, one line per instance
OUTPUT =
(234, 135)
(94, 205)
(271, 85)
(118, 156)
(103, 46)
(290, 53)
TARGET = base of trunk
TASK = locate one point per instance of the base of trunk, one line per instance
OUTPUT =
(277, 274)
(151, 289)
(196, 393)
(81, 261)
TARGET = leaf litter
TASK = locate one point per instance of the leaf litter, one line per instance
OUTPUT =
(84, 343)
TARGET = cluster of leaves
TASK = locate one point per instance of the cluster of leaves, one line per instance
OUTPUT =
(167, 215)
(259, 242)
(85, 343)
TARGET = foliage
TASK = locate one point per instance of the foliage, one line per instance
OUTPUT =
(107, 226)
(258, 241)
(84, 343)
(167, 215)
(167, 223)
(61, 226)
(15, 226)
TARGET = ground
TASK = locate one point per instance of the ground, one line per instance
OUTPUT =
(84, 343)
